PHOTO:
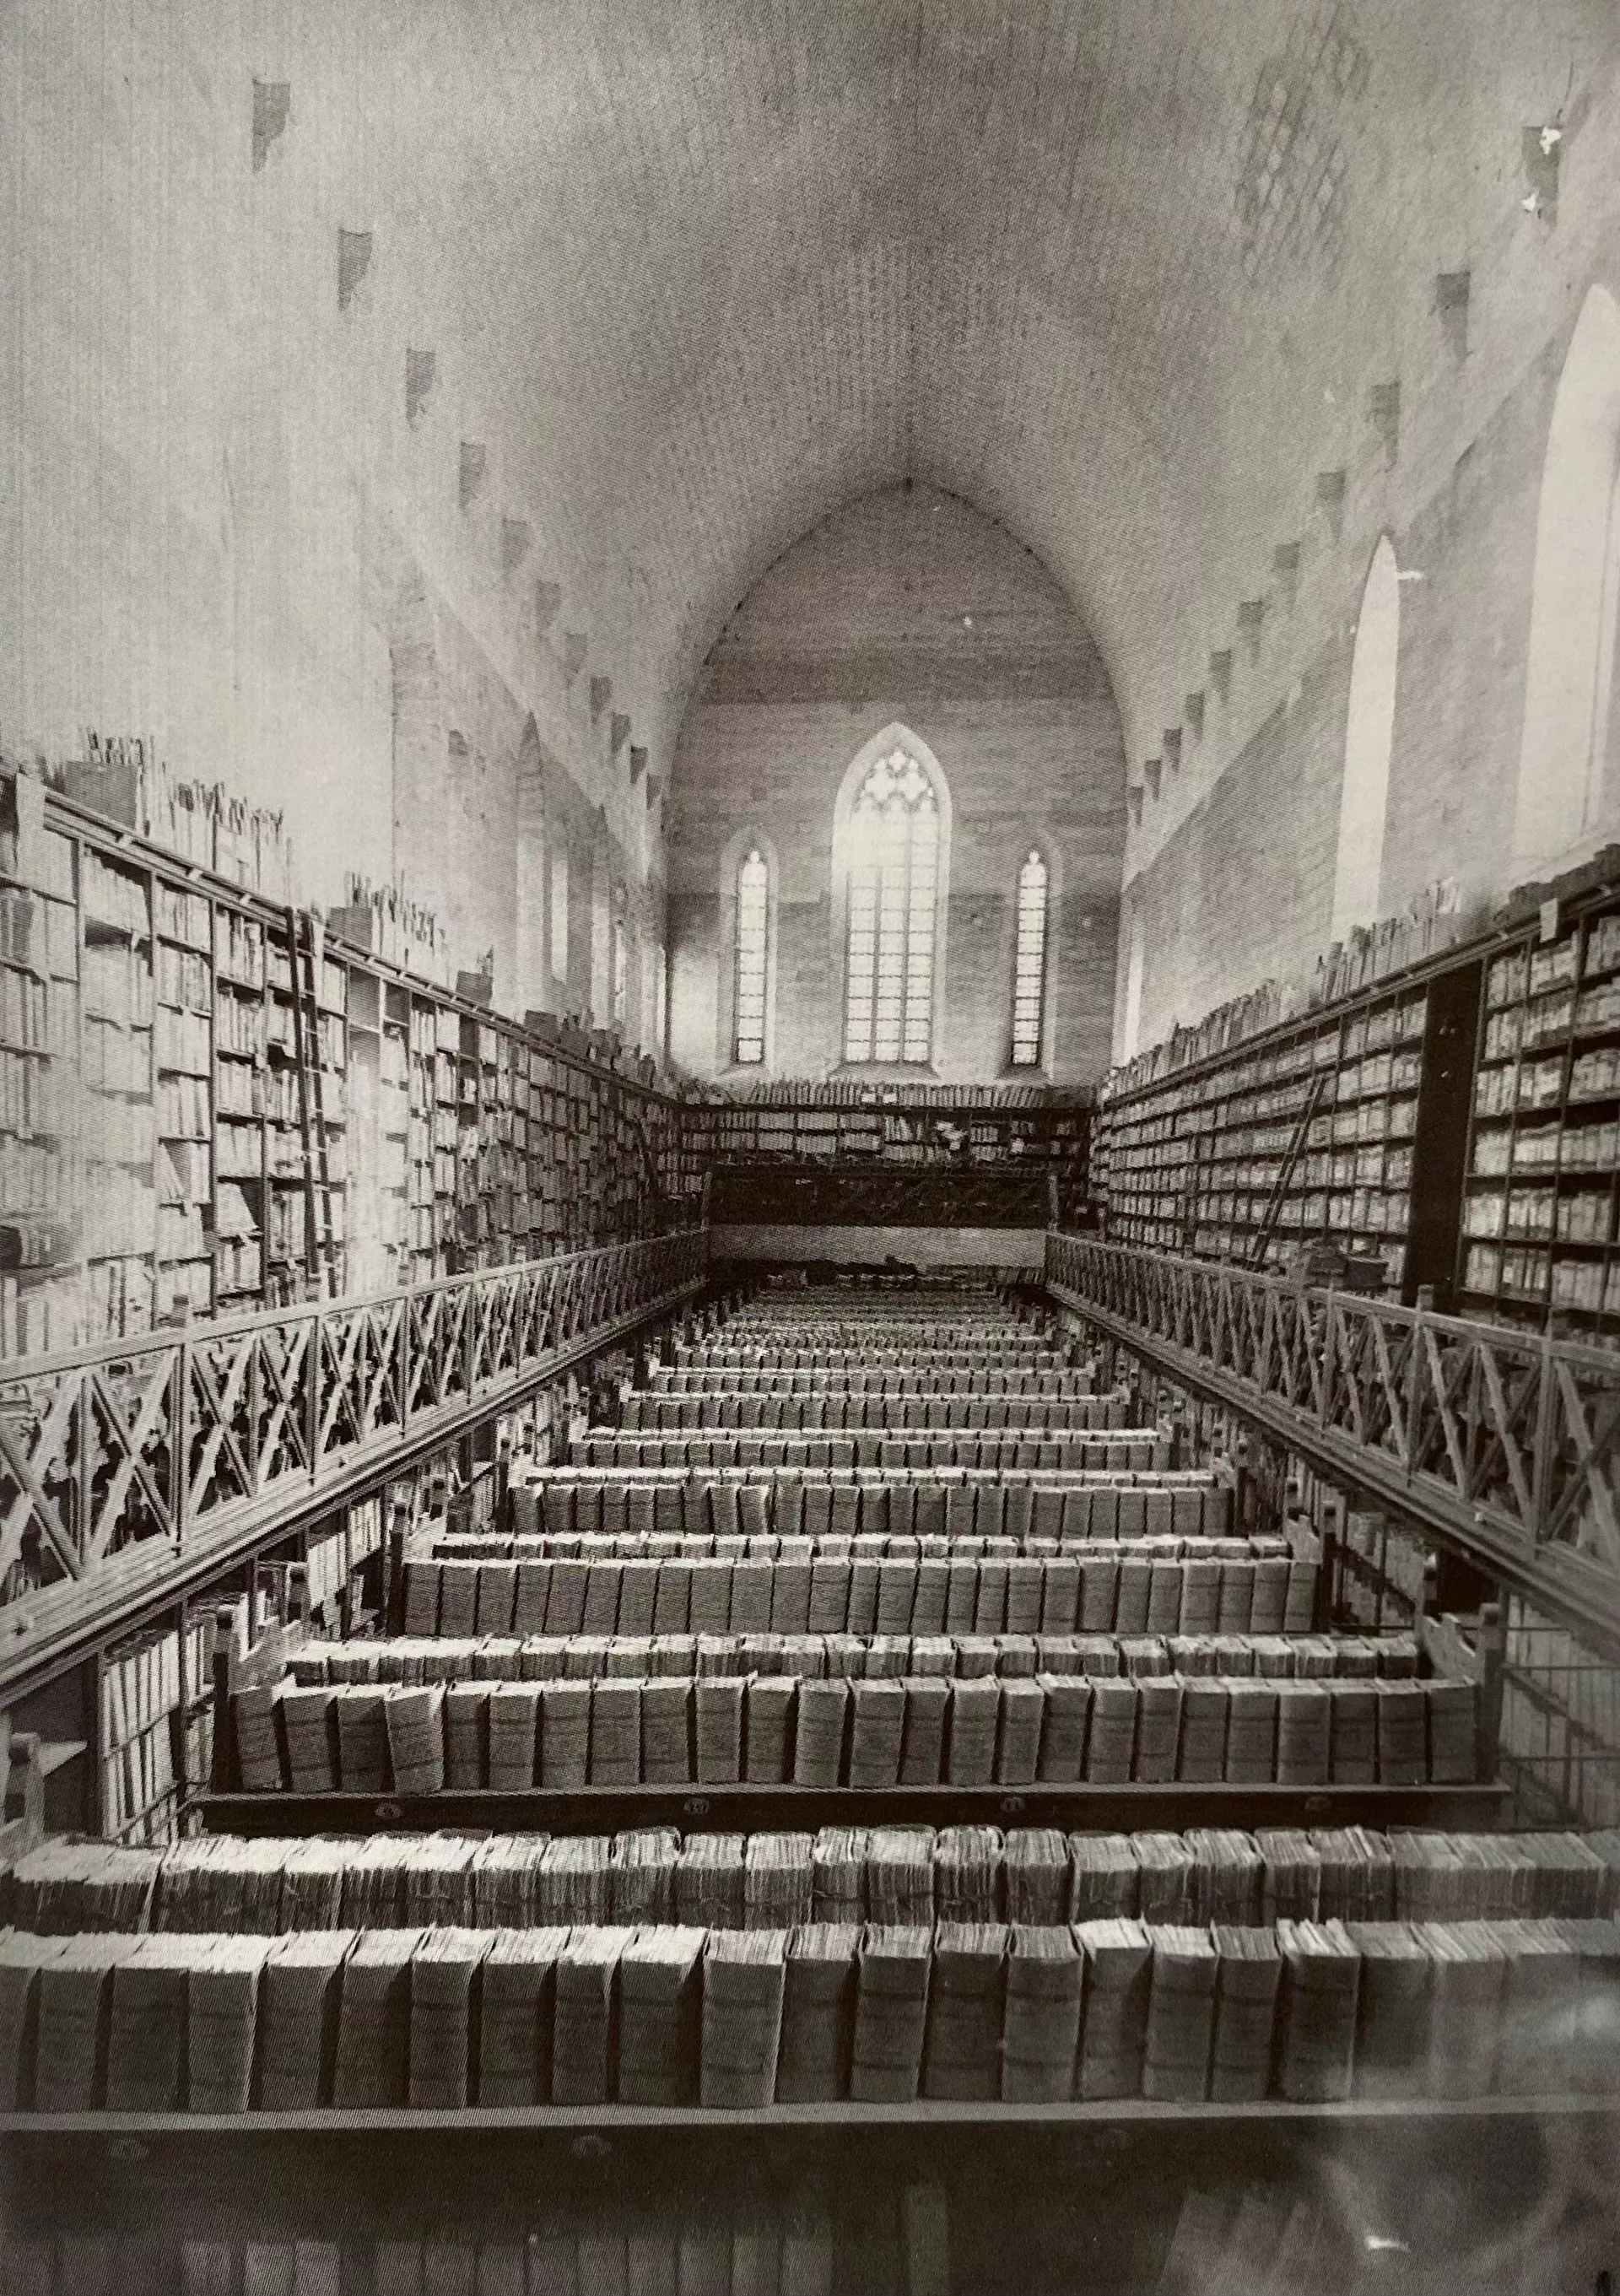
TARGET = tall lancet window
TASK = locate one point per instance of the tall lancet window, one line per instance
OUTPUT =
(1358, 874)
(894, 889)
(751, 955)
(1029, 964)
(1568, 790)
(621, 973)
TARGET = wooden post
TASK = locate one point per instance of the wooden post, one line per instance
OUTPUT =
(1492, 1663)
(224, 1769)
(1330, 1590)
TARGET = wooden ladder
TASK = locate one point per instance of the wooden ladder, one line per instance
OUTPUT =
(650, 1166)
(307, 942)
(1319, 1085)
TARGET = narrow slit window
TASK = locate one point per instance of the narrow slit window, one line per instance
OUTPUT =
(753, 921)
(1029, 964)
(888, 1008)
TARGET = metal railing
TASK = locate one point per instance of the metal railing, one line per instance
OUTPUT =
(130, 1455)
(1505, 1443)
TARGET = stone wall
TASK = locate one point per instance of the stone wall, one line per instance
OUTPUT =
(908, 609)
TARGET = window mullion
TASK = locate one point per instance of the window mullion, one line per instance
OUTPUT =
(905, 939)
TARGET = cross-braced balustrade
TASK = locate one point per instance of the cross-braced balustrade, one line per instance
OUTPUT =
(179, 1439)
(1498, 1439)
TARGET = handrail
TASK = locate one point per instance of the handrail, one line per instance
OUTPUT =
(141, 1458)
(17, 1369)
(1502, 1442)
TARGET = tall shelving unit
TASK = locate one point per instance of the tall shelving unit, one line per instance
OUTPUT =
(119, 1237)
(41, 1054)
(191, 1158)
(208, 1106)
(1541, 1241)
(1467, 1130)
(1307, 1131)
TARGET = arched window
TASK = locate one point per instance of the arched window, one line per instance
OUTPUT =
(560, 913)
(1029, 963)
(1567, 769)
(1136, 957)
(894, 853)
(751, 953)
(1369, 738)
(621, 970)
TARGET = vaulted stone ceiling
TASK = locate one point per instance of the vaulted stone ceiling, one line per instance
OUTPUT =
(1115, 271)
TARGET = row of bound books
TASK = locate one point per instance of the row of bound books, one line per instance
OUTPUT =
(934, 1412)
(844, 1092)
(1134, 1448)
(436, 1543)
(950, 1313)
(262, 1884)
(606, 2250)
(666, 2016)
(1071, 1505)
(1067, 1503)
(935, 1375)
(925, 1356)
(1103, 1589)
(871, 1733)
(485, 1657)
(823, 1329)
(949, 1309)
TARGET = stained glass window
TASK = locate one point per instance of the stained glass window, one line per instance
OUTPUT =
(753, 919)
(1029, 964)
(620, 972)
(894, 846)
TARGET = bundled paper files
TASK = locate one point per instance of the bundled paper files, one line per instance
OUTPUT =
(907, 1873)
(516, 2008)
(743, 1988)
(660, 1995)
(1042, 2029)
(968, 1647)
(821, 1711)
(828, 1579)
(445, 1968)
(967, 2011)
(298, 1998)
(582, 2067)
(1118, 1980)
(1321, 1981)
(1180, 2014)
(891, 2009)
(818, 2013)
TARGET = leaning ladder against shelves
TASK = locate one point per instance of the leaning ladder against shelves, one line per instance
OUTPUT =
(320, 1246)
(1278, 1195)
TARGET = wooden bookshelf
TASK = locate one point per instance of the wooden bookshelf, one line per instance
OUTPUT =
(1039, 1136)
(1174, 1808)
(321, 2120)
(1309, 1132)
(1540, 1238)
(208, 1105)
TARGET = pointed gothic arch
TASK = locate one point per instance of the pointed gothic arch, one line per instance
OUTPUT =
(891, 838)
